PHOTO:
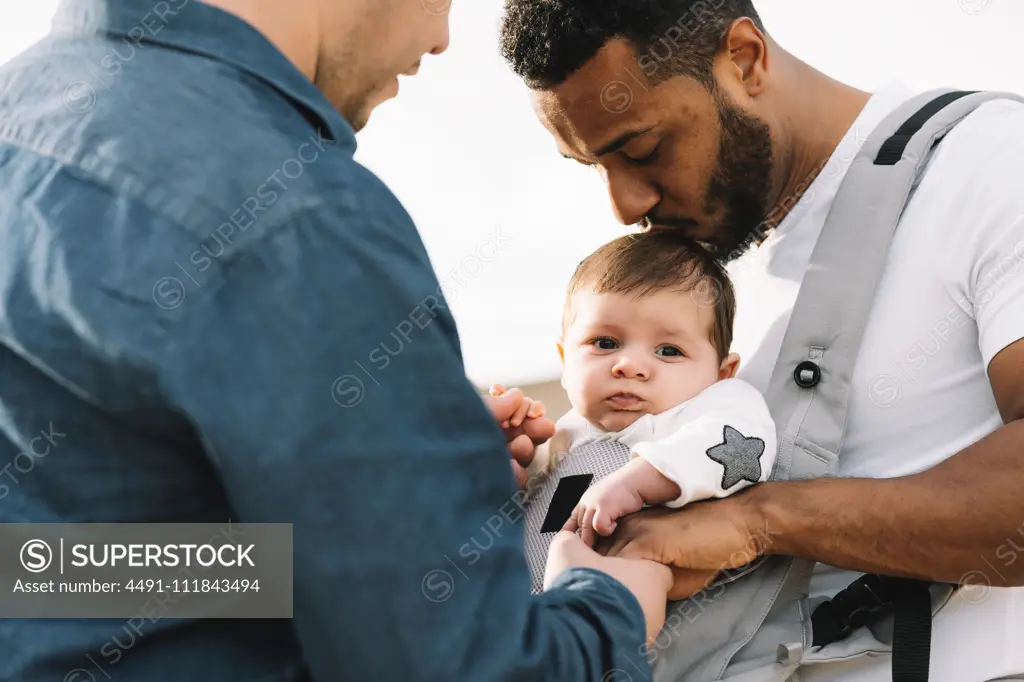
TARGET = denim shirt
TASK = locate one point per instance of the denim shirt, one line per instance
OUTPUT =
(210, 311)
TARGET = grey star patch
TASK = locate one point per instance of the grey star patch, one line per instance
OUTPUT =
(741, 457)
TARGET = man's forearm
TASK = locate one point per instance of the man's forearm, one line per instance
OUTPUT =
(962, 516)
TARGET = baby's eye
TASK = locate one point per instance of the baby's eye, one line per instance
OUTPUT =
(670, 351)
(605, 343)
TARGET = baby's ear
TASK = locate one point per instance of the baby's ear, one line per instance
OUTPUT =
(729, 367)
(561, 356)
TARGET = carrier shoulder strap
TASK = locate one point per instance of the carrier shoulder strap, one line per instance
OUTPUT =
(821, 344)
(809, 391)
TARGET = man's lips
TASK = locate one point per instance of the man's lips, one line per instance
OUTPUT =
(625, 400)
(687, 225)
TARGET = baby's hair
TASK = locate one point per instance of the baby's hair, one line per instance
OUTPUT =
(644, 263)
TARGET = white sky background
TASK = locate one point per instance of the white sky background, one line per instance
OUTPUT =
(460, 147)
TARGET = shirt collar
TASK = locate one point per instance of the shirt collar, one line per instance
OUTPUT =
(192, 26)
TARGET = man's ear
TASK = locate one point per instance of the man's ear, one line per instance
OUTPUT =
(729, 367)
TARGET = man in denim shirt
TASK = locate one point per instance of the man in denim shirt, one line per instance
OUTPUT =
(210, 311)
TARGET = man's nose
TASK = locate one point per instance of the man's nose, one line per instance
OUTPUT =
(443, 38)
(627, 367)
(632, 197)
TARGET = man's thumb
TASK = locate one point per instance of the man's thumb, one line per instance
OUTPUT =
(505, 405)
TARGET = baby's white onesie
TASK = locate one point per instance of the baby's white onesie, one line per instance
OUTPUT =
(715, 444)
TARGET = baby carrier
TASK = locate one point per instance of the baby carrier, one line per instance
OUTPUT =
(759, 624)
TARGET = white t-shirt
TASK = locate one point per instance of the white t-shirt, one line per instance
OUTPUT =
(715, 444)
(952, 296)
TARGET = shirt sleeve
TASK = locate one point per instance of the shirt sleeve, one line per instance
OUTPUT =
(999, 293)
(324, 374)
(983, 262)
(996, 285)
(724, 441)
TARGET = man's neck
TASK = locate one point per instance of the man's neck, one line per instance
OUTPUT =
(823, 111)
(290, 26)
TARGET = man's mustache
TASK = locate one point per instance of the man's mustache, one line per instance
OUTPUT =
(686, 226)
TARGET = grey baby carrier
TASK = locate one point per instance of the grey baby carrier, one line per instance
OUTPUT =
(759, 624)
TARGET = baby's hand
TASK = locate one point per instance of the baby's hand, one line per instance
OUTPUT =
(602, 505)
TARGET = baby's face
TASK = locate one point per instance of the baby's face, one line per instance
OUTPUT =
(626, 357)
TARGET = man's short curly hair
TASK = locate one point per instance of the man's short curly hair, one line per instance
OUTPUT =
(545, 41)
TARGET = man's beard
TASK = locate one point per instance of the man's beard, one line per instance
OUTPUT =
(740, 185)
(335, 77)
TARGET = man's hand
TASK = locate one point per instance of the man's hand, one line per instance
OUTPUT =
(525, 426)
(648, 581)
(697, 541)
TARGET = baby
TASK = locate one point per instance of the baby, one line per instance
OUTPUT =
(645, 347)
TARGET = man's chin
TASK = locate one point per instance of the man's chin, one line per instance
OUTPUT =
(359, 123)
(360, 118)
(726, 253)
